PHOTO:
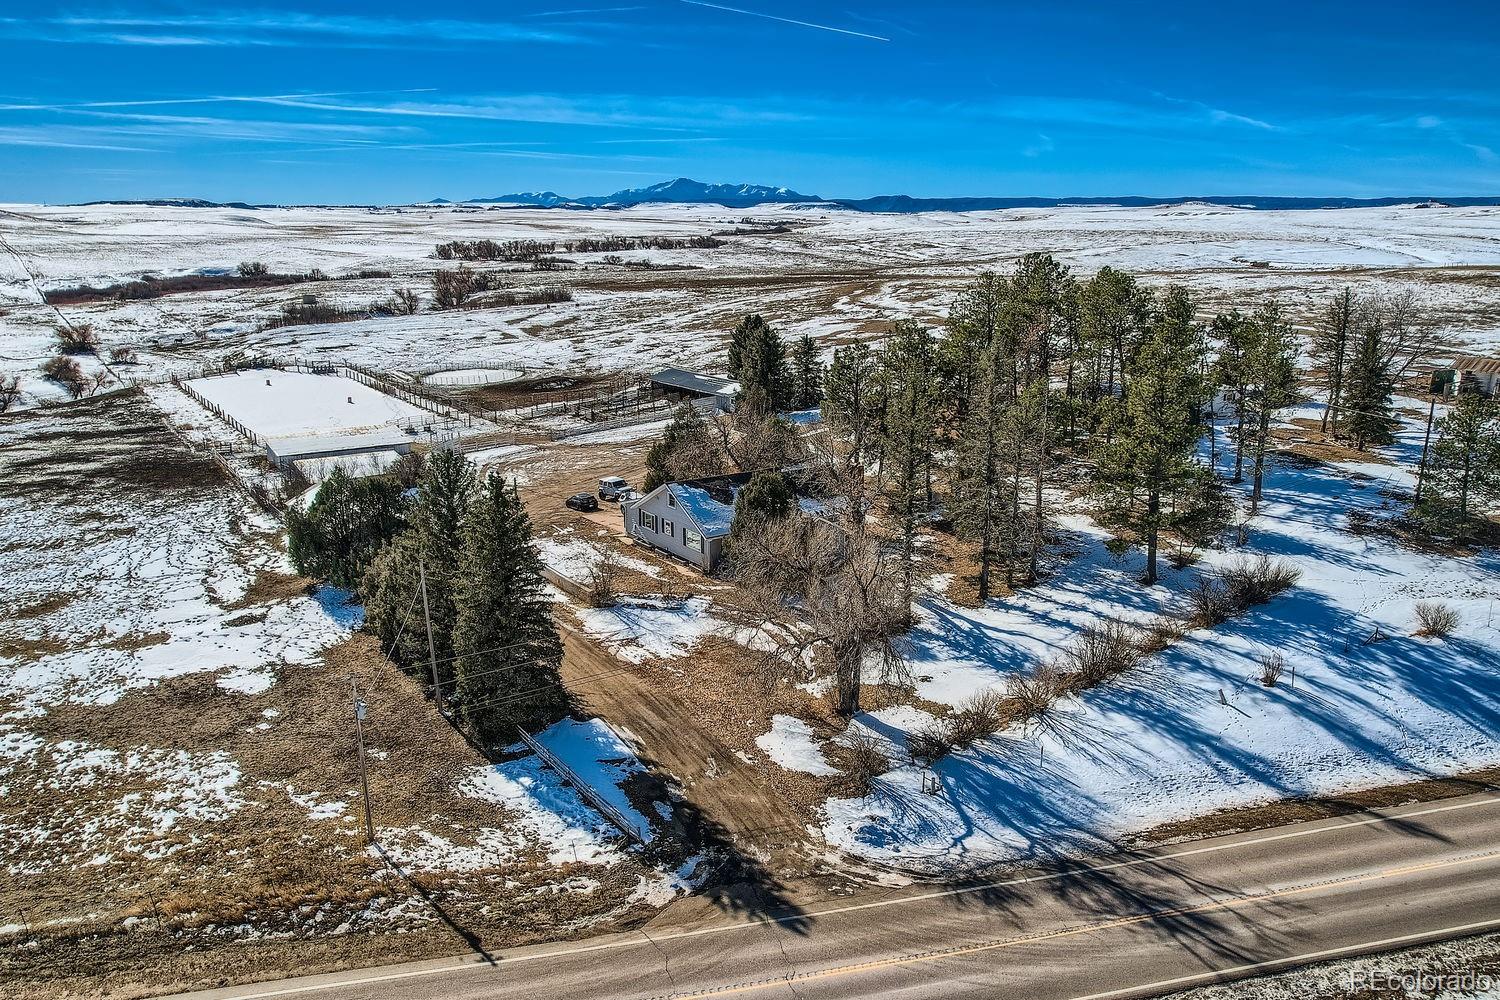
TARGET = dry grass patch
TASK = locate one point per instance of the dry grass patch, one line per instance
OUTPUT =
(42, 608)
(271, 585)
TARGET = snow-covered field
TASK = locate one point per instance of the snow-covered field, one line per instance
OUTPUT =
(837, 274)
(1194, 731)
(287, 404)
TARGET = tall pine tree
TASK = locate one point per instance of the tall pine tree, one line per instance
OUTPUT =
(1148, 467)
(1330, 347)
(854, 400)
(1462, 479)
(1367, 385)
(509, 654)
(1272, 385)
(911, 395)
(807, 374)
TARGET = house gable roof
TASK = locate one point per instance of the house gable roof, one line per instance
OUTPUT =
(708, 503)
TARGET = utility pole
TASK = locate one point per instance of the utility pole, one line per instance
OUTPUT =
(437, 688)
(364, 780)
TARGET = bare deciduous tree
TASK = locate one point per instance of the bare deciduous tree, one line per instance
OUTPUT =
(832, 599)
(405, 302)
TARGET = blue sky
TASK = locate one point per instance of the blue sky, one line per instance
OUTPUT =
(397, 102)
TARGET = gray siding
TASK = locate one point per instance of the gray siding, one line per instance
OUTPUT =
(655, 505)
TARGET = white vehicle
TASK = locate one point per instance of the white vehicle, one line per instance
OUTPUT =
(613, 488)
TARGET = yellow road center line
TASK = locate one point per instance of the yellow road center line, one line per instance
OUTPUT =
(959, 952)
(471, 965)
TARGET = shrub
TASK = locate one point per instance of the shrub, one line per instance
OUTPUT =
(123, 355)
(1242, 584)
(981, 715)
(860, 758)
(253, 269)
(929, 744)
(1272, 665)
(603, 572)
(1436, 620)
(66, 373)
(1159, 635)
(408, 469)
(10, 391)
(1210, 603)
(404, 302)
(79, 338)
(1102, 652)
(1032, 695)
(453, 289)
(1256, 579)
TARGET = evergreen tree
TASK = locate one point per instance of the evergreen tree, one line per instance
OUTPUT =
(1367, 384)
(1235, 334)
(448, 485)
(1148, 467)
(745, 331)
(973, 323)
(854, 400)
(980, 491)
(1112, 314)
(1272, 364)
(509, 654)
(911, 393)
(807, 375)
(1462, 480)
(1038, 321)
(765, 498)
(393, 608)
(687, 450)
(348, 522)
(761, 366)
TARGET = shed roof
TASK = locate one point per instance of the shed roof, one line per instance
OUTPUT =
(686, 381)
(1480, 366)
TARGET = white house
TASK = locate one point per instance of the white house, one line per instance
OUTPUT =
(689, 520)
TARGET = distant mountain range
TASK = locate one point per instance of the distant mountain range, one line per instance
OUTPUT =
(684, 191)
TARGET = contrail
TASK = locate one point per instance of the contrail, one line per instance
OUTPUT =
(787, 20)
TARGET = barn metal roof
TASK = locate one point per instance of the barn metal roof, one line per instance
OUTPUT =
(677, 378)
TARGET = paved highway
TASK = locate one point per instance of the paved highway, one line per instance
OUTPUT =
(1136, 925)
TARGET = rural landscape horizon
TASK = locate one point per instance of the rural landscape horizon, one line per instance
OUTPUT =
(666, 499)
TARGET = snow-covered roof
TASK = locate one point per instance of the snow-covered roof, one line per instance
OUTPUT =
(713, 517)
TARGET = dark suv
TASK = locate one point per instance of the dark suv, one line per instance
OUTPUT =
(583, 501)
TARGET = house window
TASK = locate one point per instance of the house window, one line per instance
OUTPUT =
(668, 528)
(671, 500)
(692, 539)
(645, 520)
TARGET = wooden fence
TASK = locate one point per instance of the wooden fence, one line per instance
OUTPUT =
(590, 794)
